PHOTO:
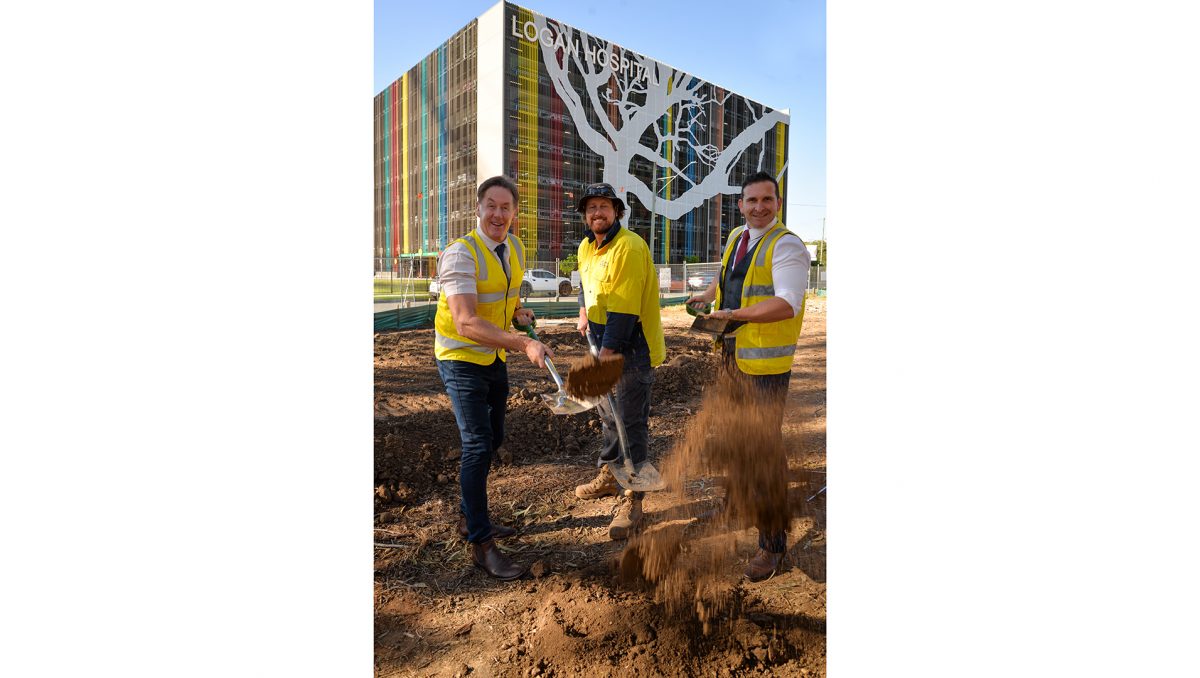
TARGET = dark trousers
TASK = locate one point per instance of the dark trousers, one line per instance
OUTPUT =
(478, 395)
(774, 389)
(632, 400)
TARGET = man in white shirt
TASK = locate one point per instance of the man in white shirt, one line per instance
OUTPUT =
(481, 277)
(764, 275)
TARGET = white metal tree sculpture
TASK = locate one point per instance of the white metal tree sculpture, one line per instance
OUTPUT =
(644, 93)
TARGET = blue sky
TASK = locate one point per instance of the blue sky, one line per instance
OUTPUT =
(774, 54)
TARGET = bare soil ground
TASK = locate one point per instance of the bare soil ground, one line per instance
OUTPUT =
(435, 614)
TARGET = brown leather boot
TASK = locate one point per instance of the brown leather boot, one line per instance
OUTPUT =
(628, 518)
(763, 565)
(489, 559)
(498, 531)
(603, 485)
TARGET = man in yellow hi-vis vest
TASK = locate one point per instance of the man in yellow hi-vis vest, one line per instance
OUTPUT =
(618, 304)
(481, 275)
(764, 275)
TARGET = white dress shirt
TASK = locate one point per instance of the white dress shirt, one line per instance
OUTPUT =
(789, 266)
(456, 268)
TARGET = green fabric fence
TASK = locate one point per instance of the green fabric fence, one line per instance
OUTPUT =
(419, 317)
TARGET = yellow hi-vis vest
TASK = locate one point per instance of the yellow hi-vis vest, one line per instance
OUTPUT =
(620, 277)
(762, 348)
(496, 301)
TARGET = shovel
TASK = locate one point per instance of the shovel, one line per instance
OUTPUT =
(559, 402)
(709, 325)
(640, 478)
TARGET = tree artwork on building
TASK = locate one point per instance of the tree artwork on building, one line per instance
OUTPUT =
(627, 105)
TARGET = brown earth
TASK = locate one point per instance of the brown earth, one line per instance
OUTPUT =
(674, 605)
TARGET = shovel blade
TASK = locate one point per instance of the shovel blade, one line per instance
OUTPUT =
(645, 478)
(709, 325)
(560, 402)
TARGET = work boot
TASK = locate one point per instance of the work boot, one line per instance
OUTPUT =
(603, 485)
(628, 518)
(498, 531)
(763, 565)
(489, 559)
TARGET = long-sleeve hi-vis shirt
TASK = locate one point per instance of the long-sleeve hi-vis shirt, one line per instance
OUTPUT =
(618, 277)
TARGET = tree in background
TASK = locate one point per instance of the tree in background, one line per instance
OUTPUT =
(822, 252)
(567, 265)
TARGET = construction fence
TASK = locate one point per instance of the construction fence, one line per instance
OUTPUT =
(405, 298)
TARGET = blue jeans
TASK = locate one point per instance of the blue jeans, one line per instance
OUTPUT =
(632, 401)
(478, 395)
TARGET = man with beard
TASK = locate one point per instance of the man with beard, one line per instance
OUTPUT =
(481, 280)
(619, 305)
(764, 274)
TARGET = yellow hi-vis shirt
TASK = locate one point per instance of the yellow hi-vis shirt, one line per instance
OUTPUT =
(496, 301)
(620, 277)
(762, 348)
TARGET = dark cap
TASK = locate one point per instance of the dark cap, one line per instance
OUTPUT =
(600, 191)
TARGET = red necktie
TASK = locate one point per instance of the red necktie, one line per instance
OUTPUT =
(743, 244)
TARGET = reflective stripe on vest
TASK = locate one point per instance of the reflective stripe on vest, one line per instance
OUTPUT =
(765, 352)
(449, 342)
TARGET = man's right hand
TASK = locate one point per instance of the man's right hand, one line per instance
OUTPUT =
(538, 352)
(582, 325)
(698, 300)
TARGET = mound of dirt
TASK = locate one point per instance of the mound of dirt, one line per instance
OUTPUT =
(672, 603)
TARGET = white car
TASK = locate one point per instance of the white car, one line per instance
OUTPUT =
(540, 280)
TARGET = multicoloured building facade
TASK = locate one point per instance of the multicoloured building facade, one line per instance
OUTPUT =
(554, 108)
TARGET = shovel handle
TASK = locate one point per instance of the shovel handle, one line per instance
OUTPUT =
(528, 329)
(612, 411)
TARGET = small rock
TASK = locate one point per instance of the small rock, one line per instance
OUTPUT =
(453, 454)
(538, 569)
(760, 653)
(464, 629)
(643, 633)
(442, 478)
(463, 670)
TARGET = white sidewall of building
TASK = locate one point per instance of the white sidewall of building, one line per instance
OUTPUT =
(489, 99)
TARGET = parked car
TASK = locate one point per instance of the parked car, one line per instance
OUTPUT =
(700, 281)
(539, 280)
